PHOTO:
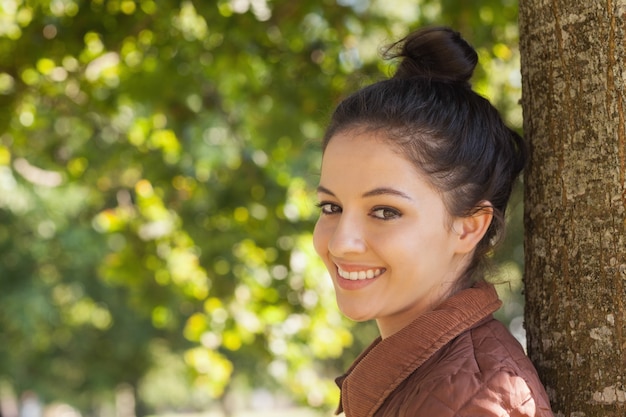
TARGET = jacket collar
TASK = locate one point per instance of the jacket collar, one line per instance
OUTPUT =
(386, 363)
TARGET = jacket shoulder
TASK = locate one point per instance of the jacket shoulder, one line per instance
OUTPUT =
(483, 372)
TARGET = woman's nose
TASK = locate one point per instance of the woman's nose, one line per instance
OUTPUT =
(347, 237)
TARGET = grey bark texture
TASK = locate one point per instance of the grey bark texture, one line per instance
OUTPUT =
(574, 102)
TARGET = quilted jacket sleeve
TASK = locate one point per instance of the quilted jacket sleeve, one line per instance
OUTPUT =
(501, 394)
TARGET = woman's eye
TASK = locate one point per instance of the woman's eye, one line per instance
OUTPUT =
(385, 213)
(329, 208)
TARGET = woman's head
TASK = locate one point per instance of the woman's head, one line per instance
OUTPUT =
(385, 234)
(428, 113)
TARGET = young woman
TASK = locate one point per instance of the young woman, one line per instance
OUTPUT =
(416, 174)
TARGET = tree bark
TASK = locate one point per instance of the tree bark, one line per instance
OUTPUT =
(574, 97)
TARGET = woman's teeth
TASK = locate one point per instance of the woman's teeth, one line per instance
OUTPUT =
(358, 275)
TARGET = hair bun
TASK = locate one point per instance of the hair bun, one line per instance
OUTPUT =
(436, 53)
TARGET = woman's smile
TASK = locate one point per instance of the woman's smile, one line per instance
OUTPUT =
(356, 277)
(359, 275)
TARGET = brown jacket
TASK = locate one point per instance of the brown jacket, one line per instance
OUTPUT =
(456, 360)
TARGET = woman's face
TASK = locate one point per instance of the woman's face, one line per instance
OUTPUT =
(383, 233)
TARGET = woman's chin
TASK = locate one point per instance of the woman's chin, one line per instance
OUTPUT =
(355, 313)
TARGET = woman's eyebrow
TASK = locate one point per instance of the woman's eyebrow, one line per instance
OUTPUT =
(324, 190)
(387, 191)
(371, 193)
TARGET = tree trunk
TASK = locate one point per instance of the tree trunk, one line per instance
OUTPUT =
(574, 97)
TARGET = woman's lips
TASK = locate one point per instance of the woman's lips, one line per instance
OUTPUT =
(353, 278)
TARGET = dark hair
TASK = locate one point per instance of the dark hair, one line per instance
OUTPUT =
(454, 136)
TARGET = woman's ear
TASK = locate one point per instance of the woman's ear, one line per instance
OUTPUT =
(472, 228)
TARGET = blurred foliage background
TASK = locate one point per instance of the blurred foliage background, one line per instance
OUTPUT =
(157, 166)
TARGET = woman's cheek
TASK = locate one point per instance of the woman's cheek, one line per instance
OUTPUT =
(320, 240)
